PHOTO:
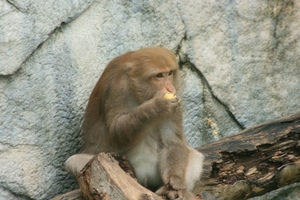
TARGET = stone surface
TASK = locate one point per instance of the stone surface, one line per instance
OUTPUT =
(26, 24)
(239, 62)
(291, 192)
(253, 47)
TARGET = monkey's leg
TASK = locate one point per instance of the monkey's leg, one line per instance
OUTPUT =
(181, 168)
(173, 163)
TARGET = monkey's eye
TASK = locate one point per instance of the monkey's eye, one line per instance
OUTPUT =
(170, 73)
(160, 75)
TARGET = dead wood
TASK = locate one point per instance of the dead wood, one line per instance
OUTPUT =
(103, 178)
(72, 195)
(259, 159)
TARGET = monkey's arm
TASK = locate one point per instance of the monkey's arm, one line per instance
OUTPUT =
(126, 126)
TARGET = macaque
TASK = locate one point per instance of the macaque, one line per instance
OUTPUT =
(128, 113)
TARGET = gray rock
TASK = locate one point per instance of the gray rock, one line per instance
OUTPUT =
(291, 192)
(26, 24)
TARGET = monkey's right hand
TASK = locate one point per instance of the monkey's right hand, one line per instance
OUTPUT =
(166, 106)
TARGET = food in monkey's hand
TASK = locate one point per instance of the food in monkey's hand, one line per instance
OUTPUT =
(169, 96)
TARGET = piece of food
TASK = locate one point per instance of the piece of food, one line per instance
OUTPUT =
(169, 96)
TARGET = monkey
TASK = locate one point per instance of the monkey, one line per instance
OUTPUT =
(127, 113)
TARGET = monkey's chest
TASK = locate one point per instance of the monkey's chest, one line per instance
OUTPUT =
(144, 159)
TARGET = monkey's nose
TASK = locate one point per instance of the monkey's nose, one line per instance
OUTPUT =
(171, 90)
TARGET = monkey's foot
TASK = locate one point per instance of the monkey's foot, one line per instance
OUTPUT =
(176, 183)
(175, 194)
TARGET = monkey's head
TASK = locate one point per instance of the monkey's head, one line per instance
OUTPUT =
(151, 71)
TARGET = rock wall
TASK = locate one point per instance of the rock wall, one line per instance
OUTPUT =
(239, 59)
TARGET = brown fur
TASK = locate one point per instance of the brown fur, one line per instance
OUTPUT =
(128, 114)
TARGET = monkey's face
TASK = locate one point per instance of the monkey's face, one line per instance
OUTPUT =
(163, 81)
(152, 72)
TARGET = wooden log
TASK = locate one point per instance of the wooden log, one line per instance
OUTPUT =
(258, 160)
(72, 195)
(103, 178)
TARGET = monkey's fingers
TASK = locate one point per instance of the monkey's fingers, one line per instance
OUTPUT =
(185, 194)
(177, 101)
(171, 194)
(162, 191)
